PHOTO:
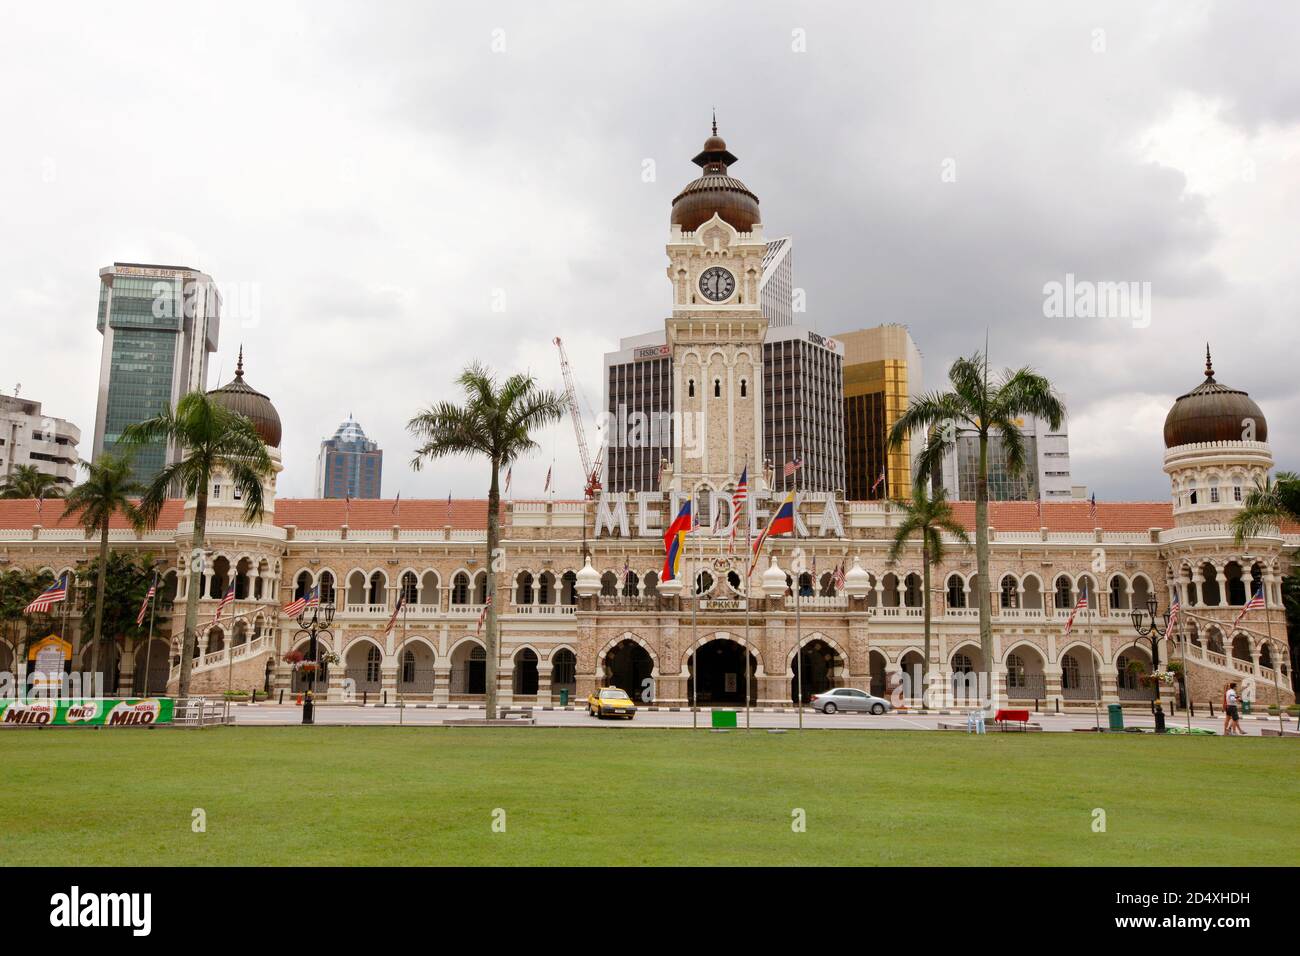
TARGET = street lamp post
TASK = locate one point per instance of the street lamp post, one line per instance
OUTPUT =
(1157, 629)
(313, 621)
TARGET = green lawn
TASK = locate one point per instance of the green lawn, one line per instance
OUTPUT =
(426, 796)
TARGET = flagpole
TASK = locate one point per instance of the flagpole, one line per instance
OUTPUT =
(1182, 639)
(798, 628)
(66, 594)
(695, 631)
(748, 581)
(148, 648)
(230, 652)
(401, 710)
(1096, 697)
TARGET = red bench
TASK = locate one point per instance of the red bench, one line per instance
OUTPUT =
(1012, 716)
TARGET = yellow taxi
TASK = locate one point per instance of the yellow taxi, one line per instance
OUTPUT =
(611, 702)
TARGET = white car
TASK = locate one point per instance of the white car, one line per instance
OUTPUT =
(849, 699)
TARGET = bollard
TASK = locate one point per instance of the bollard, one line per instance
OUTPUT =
(1211, 708)
(365, 696)
(1058, 706)
(1035, 705)
(282, 695)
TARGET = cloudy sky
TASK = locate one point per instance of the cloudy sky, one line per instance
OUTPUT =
(370, 184)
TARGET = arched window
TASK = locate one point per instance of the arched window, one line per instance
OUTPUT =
(378, 587)
(717, 388)
(410, 586)
(690, 388)
(1015, 671)
(1063, 592)
(326, 587)
(961, 664)
(303, 585)
(744, 388)
(372, 664)
(1007, 596)
(408, 667)
(1069, 672)
(460, 588)
(956, 591)
(1118, 595)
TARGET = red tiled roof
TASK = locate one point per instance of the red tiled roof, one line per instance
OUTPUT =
(23, 513)
(374, 514)
(1070, 515)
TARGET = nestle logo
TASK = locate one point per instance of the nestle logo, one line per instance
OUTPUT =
(75, 909)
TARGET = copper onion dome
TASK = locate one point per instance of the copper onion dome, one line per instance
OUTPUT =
(242, 398)
(715, 191)
(1212, 413)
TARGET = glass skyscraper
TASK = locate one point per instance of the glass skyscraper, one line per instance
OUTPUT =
(159, 325)
(350, 465)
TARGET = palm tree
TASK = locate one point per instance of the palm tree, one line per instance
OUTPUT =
(496, 422)
(927, 518)
(26, 482)
(1270, 504)
(988, 410)
(213, 440)
(107, 491)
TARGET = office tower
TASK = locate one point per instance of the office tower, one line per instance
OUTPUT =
(159, 325)
(882, 372)
(29, 437)
(349, 465)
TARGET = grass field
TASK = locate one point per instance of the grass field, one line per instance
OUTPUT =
(324, 795)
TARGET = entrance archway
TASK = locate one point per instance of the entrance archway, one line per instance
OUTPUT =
(819, 668)
(720, 664)
(629, 667)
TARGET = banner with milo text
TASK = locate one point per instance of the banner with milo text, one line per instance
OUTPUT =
(141, 712)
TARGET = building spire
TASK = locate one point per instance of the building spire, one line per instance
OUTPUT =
(715, 121)
(1209, 366)
(239, 365)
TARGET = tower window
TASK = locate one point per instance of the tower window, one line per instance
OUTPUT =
(1236, 492)
(1214, 496)
(690, 388)
(717, 388)
(744, 388)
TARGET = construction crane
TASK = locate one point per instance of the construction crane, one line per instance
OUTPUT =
(590, 468)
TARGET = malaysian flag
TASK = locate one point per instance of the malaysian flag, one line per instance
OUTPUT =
(738, 497)
(1092, 509)
(482, 616)
(401, 603)
(839, 576)
(52, 595)
(1080, 605)
(225, 599)
(792, 466)
(509, 474)
(1040, 511)
(144, 605)
(1255, 602)
(547, 487)
(309, 600)
(347, 508)
(879, 481)
(1174, 610)
(397, 504)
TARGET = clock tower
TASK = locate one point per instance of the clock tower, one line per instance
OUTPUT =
(715, 333)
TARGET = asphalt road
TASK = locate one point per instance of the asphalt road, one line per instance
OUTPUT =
(342, 715)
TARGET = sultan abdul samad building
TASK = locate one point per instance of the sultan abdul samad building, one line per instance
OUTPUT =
(580, 597)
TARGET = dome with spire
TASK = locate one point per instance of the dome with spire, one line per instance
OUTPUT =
(1212, 412)
(715, 191)
(240, 397)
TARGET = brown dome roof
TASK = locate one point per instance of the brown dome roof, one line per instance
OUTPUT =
(715, 192)
(240, 397)
(1212, 413)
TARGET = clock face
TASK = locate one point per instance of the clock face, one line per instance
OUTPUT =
(717, 284)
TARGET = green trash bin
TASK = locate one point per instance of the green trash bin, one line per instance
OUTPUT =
(1245, 706)
(564, 697)
(1116, 713)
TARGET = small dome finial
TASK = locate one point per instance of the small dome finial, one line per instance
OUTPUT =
(239, 365)
(715, 121)
(1209, 366)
